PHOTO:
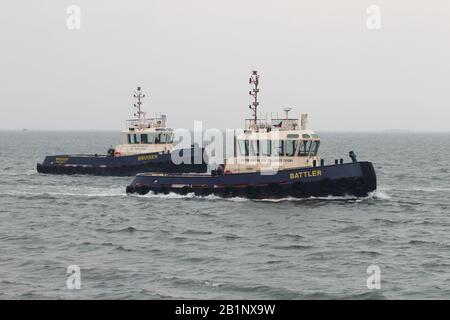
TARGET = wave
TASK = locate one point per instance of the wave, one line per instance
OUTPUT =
(416, 188)
(379, 194)
(55, 195)
(171, 195)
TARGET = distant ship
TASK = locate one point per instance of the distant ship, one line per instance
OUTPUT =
(272, 159)
(147, 146)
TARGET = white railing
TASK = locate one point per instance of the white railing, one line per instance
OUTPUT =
(146, 123)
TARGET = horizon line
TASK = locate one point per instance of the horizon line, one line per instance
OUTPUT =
(402, 131)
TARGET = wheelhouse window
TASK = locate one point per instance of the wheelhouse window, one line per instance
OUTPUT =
(305, 148)
(243, 147)
(144, 138)
(278, 148)
(265, 147)
(169, 137)
(164, 137)
(315, 148)
(253, 147)
(290, 147)
(134, 138)
(269, 147)
(150, 137)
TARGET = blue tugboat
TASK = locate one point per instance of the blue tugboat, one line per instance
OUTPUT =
(272, 159)
(147, 147)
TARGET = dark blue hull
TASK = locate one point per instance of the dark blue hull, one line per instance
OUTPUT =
(357, 178)
(120, 166)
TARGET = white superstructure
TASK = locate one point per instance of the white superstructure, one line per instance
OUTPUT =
(144, 135)
(278, 144)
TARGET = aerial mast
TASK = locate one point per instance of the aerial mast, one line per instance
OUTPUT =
(286, 111)
(254, 79)
(138, 95)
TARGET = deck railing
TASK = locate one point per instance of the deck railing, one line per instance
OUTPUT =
(146, 123)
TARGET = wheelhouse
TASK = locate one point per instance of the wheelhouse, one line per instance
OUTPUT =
(278, 145)
(275, 144)
(157, 136)
(144, 134)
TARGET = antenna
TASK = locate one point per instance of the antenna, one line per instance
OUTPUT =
(138, 95)
(254, 79)
(303, 121)
(286, 110)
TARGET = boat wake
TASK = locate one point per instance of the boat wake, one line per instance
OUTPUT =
(376, 195)
(54, 195)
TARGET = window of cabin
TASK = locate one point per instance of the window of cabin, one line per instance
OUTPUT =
(253, 147)
(164, 137)
(243, 147)
(277, 148)
(134, 138)
(160, 137)
(265, 147)
(290, 147)
(150, 137)
(144, 138)
(305, 147)
(247, 148)
(315, 148)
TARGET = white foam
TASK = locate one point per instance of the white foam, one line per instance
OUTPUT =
(378, 194)
(171, 195)
(106, 193)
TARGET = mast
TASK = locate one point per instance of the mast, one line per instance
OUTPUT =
(286, 111)
(138, 95)
(254, 79)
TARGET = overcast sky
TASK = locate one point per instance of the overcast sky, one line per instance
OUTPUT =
(193, 59)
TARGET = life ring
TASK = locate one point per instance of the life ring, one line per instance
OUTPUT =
(117, 154)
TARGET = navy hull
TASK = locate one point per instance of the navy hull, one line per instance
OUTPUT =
(357, 178)
(120, 166)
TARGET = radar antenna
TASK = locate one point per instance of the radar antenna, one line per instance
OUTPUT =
(138, 95)
(254, 79)
(286, 110)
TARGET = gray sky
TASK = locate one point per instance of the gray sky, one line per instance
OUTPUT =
(194, 57)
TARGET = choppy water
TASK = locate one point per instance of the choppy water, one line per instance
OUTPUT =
(171, 246)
